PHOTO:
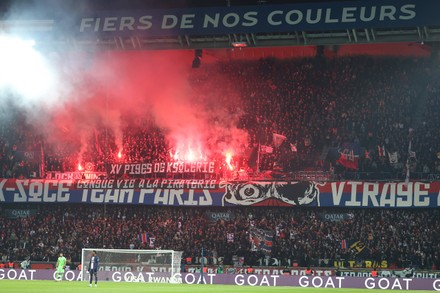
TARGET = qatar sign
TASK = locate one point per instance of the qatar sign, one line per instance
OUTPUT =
(201, 192)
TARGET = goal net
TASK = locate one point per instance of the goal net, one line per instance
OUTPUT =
(130, 265)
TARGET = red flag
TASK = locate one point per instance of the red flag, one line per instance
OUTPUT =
(381, 151)
(348, 160)
(343, 244)
(143, 237)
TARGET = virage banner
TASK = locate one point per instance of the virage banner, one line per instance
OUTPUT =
(182, 192)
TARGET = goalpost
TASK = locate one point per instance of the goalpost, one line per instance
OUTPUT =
(131, 265)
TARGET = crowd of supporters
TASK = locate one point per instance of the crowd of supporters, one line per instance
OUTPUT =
(380, 104)
(304, 236)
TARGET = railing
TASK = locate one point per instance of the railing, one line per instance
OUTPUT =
(390, 176)
(241, 175)
(313, 176)
(324, 176)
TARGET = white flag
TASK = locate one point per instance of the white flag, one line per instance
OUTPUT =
(293, 148)
(278, 139)
(393, 157)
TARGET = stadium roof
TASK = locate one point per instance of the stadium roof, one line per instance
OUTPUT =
(140, 4)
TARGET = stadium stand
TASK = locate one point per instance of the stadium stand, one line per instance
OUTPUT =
(376, 103)
(400, 237)
(380, 104)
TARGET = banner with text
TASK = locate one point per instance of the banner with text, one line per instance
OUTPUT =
(236, 19)
(75, 175)
(162, 168)
(336, 217)
(19, 213)
(182, 192)
(220, 216)
(258, 18)
(232, 279)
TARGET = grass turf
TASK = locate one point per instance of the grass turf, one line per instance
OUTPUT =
(11, 286)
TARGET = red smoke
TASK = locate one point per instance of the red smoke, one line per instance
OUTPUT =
(105, 88)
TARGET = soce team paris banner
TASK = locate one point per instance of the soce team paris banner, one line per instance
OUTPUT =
(180, 192)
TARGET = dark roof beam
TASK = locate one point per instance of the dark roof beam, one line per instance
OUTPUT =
(188, 40)
(419, 31)
(120, 43)
(367, 35)
(373, 34)
(349, 36)
(355, 35)
(248, 40)
(425, 30)
(303, 33)
(297, 37)
(254, 40)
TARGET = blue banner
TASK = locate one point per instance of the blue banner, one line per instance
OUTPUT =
(261, 18)
(347, 155)
(180, 192)
(209, 21)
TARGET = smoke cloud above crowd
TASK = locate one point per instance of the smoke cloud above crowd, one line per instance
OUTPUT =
(74, 97)
(78, 94)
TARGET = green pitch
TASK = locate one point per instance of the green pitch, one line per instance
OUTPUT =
(8, 286)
